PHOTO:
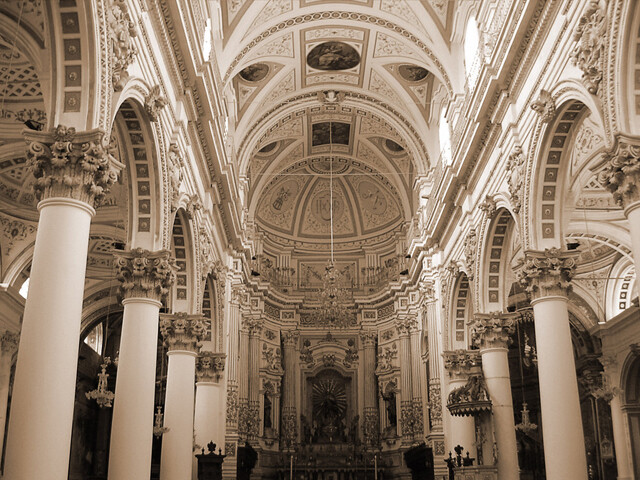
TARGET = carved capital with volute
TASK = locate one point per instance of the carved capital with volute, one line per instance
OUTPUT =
(145, 274)
(253, 324)
(460, 363)
(70, 164)
(9, 342)
(210, 366)
(182, 331)
(493, 330)
(621, 172)
(547, 273)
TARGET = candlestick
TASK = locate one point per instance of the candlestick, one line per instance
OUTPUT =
(375, 466)
(291, 469)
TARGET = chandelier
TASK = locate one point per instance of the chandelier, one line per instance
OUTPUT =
(102, 395)
(335, 294)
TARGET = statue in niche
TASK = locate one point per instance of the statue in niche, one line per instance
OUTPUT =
(389, 398)
(329, 407)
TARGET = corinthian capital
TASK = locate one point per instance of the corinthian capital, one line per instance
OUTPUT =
(460, 363)
(547, 273)
(290, 338)
(210, 366)
(493, 330)
(71, 164)
(145, 274)
(405, 324)
(621, 172)
(369, 338)
(9, 342)
(182, 331)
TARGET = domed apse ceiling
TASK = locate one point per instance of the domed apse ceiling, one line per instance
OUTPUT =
(296, 205)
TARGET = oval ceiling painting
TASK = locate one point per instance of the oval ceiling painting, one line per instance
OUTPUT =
(255, 72)
(412, 73)
(393, 146)
(333, 56)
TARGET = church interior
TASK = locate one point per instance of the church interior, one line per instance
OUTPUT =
(319, 239)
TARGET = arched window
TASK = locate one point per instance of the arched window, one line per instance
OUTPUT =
(445, 140)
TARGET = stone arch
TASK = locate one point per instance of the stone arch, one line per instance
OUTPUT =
(212, 310)
(460, 314)
(550, 148)
(136, 148)
(496, 261)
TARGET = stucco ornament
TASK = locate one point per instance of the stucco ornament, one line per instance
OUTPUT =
(588, 54)
(489, 207)
(154, 102)
(544, 106)
(121, 33)
(515, 177)
(175, 173)
(621, 172)
(470, 251)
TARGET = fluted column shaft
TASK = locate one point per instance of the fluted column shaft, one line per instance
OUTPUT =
(146, 278)
(73, 171)
(254, 379)
(243, 383)
(404, 326)
(237, 297)
(370, 421)
(418, 376)
(460, 364)
(182, 335)
(8, 346)
(546, 276)
(289, 422)
(491, 333)
(435, 352)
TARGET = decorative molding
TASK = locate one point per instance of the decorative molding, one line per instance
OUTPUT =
(154, 101)
(15, 231)
(121, 31)
(515, 176)
(470, 252)
(588, 54)
(489, 207)
(70, 164)
(174, 167)
(621, 172)
(544, 106)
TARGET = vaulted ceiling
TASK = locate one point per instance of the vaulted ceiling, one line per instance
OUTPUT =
(361, 82)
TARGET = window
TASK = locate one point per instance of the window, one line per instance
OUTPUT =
(94, 339)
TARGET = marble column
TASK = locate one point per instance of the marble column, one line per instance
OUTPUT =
(621, 176)
(492, 334)
(146, 278)
(73, 171)
(460, 365)
(289, 421)
(8, 346)
(404, 324)
(370, 420)
(209, 409)
(182, 335)
(546, 275)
